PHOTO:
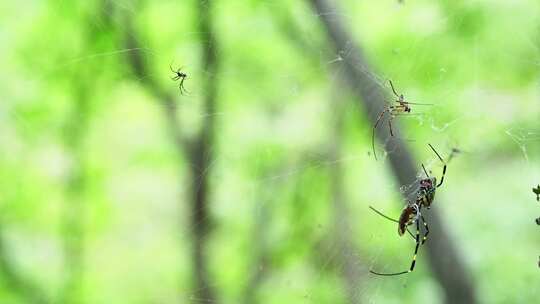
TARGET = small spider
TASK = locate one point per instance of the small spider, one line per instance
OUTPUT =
(179, 75)
(411, 214)
(537, 192)
(401, 108)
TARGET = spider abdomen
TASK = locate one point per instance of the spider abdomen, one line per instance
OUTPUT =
(406, 218)
(425, 199)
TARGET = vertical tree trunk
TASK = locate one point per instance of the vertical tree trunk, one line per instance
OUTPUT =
(198, 150)
(201, 155)
(73, 218)
(445, 261)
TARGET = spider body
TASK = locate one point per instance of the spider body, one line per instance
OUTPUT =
(179, 75)
(401, 107)
(412, 214)
(407, 217)
(537, 192)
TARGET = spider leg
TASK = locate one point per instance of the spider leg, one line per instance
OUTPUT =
(383, 215)
(413, 263)
(394, 111)
(417, 245)
(442, 177)
(381, 116)
(390, 125)
(390, 219)
(444, 168)
(375, 127)
(393, 90)
(425, 171)
(182, 88)
(418, 104)
(424, 239)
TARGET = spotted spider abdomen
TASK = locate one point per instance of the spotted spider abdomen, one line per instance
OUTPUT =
(426, 193)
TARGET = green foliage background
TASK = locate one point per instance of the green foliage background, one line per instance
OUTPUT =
(87, 159)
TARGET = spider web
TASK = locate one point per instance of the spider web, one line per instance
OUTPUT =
(292, 174)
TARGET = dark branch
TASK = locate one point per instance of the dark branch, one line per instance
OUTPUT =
(443, 256)
(140, 69)
(202, 154)
(199, 151)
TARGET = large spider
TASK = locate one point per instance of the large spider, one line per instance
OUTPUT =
(179, 75)
(411, 214)
(401, 108)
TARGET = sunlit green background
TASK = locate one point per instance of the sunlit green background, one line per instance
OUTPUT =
(94, 196)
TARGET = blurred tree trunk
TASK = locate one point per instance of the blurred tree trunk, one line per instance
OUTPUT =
(73, 219)
(443, 256)
(197, 149)
(202, 156)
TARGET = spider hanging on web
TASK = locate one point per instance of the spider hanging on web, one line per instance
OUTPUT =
(412, 214)
(401, 108)
(537, 192)
(179, 75)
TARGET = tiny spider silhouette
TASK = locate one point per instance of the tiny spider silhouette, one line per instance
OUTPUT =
(402, 108)
(537, 192)
(179, 75)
